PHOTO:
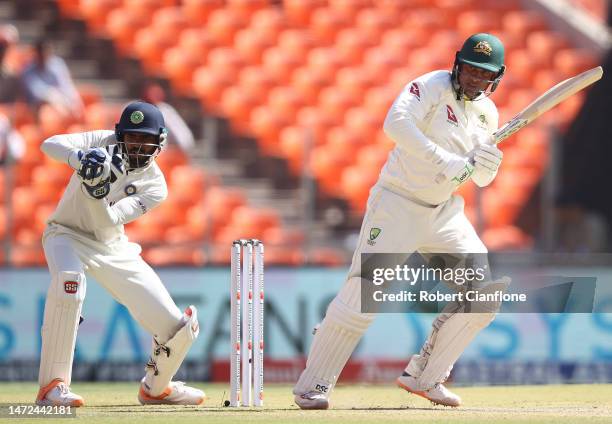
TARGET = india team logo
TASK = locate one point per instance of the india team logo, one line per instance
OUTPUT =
(414, 89)
(450, 115)
(130, 189)
(71, 287)
(136, 117)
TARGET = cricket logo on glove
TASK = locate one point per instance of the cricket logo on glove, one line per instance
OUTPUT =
(464, 175)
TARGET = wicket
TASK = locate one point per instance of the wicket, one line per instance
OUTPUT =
(247, 323)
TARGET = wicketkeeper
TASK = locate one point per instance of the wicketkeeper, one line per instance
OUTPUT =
(442, 125)
(116, 180)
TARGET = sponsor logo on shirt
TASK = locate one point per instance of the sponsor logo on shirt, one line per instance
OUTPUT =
(71, 287)
(143, 208)
(451, 117)
(414, 89)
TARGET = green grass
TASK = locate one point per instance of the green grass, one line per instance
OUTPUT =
(117, 403)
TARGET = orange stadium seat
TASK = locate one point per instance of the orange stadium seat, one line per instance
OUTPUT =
(520, 23)
(356, 183)
(280, 65)
(296, 41)
(325, 24)
(308, 85)
(373, 23)
(208, 85)
(316, 122)
(299, 12)
(219, 202)
(3, 222)
(267, 126)
(174, 256)
(506, 238)
(187, 184)
(283, 237)
(359, 120)
(544, 45)
(180, 64)
(198, 11)
(285, 99)
(570, 62)
(27, 256)
(268, 22)
(170, 158)
(257, 81)
(334, 103)
(247, 8)
(474, 21)
(96, 12)
(326, 256)
(223, 24)
(348, 9)
(122, 25)
(327, 164)
(237, 103)
(250, 45)
(292, 145)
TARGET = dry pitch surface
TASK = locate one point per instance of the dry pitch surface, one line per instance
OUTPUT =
(117, 403)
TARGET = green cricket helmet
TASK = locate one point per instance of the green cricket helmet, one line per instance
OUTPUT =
(484, 51)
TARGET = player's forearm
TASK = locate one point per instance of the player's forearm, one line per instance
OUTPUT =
(123, 212)
(402, 130)
(61, 149)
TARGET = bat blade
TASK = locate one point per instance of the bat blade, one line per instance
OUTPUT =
(547, 101)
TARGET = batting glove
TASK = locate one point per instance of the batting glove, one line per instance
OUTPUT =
(487, 159)
(457, 170)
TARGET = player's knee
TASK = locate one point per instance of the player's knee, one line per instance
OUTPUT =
(348, 317)
(481, 320)
(68, 287)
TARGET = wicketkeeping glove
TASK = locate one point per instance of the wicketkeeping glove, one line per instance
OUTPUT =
(95, 172)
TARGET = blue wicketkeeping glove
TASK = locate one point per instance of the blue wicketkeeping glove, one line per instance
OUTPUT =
(95, 172)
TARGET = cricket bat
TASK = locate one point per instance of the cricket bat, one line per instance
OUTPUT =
(547, 101)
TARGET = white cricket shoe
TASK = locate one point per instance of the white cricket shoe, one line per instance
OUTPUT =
(312, 400)
(438, 394)
(57, 393)
(177, 393)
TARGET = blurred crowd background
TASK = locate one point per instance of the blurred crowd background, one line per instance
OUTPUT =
(275, 112)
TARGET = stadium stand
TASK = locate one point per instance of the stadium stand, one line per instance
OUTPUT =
(310, 81)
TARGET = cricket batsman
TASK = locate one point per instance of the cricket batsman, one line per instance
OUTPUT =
(116, 180)
(442, 125)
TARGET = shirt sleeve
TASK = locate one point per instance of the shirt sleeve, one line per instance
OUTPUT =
(409, 110)
(127, 209)
(65, 147)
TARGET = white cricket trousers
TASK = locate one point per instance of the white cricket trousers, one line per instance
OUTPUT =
(120, 269)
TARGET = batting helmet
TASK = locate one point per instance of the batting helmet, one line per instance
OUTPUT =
(143, 118)
(484, 51)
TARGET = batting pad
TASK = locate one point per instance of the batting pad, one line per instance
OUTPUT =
(166, 358)
(60, 323)
(333, 343)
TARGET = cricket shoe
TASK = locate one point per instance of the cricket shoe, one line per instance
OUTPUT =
(177, 393)
(57, 393)
(438, 394)
(312, 400)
